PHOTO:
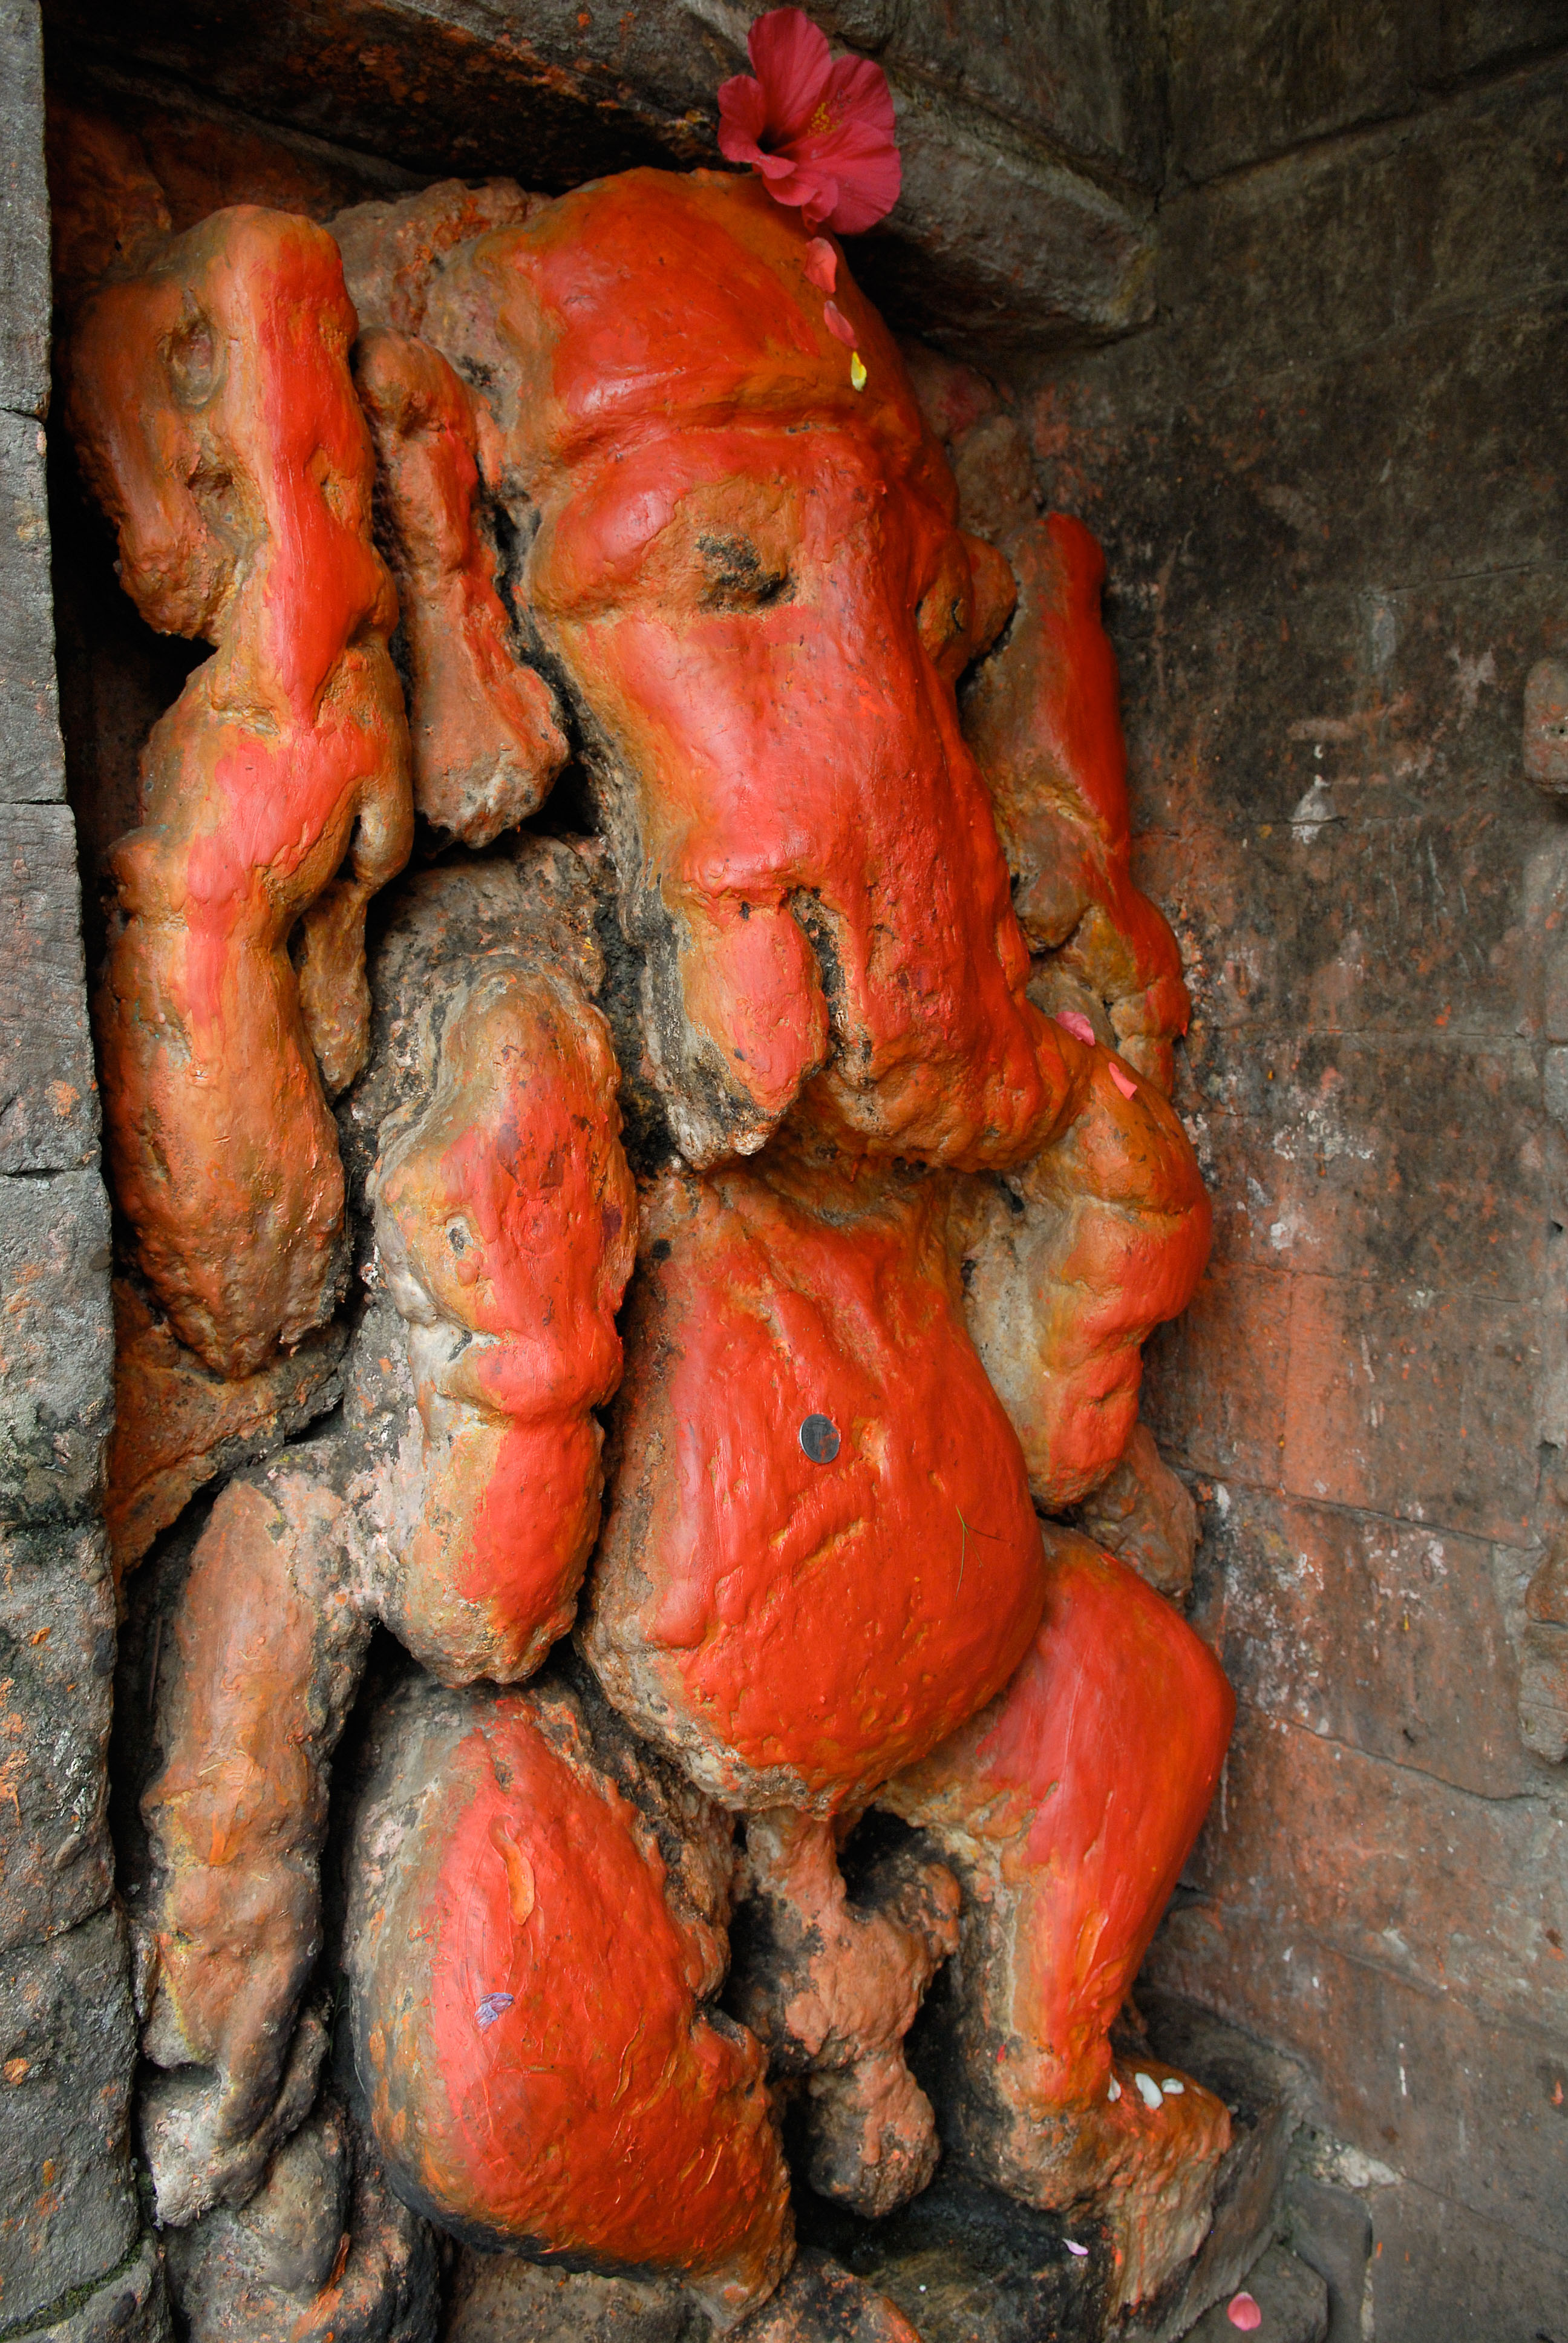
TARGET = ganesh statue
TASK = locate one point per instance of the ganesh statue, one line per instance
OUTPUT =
(738, 1203)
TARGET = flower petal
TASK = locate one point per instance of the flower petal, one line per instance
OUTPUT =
(1079, 2253)
(742, 118)
(821, 265)
(1149, 2090)
(858, 91)
(1124, 1082)
(838, 325)
(1242, 2312)
(792, 61)
(1076, 1023)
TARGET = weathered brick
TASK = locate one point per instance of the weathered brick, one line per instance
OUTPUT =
(1418, 1158)
(24, 213)
(1418, 2079)
(1441, 2270)
(1413, 1403)
(1454, 1896)
(48, 1091)
(1389, 1638)
(32, 769)
(68, 2209)
(1215, 1382)
(56, 1682)
(56, 1345)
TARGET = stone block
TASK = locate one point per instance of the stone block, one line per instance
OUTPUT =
(1083, 78)
(1262, 2092)
(1214, 1393)
(56, 1345)
(1419, 2077)
(1457, 1897)
(1246, 81)
(68, 2209)
(1331, 2230)
(131, 2305)
(1376, 1633)
(48, 1093)
(1443, 2270)
(32, 768)
(1411, 1157)
(1291, 2297)
(57, 1683)
(24, 213)
(1413, 1403)
(1320, 255)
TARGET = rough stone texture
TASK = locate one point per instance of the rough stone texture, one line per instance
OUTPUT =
(24, 216)
(69, 2211)
(1292, 2298)
(1331, 2230)
(31, 767)
(48, 1093)
(67, 2044)
(131, 2305)
(1330, 486)
(1030, 136)
(56, 1345)
(57, 1674)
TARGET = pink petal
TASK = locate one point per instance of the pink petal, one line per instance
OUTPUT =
(821, 264)
(792, 61)
(742, 118)
(858, 91)
(838, 324)
(1079, 2253)
(1243, 2312)
(1124, 1082)
(1075, 1022)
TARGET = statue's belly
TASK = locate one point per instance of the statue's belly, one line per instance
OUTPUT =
(795, 1628)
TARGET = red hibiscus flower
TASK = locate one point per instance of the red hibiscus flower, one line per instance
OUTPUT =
(820, 131)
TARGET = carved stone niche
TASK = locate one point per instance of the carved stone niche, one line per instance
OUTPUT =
(656, 1332)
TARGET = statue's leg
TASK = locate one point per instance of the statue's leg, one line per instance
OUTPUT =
(534, 1939)
(1068, 1808)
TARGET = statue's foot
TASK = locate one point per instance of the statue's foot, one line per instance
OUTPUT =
(1143, 2158)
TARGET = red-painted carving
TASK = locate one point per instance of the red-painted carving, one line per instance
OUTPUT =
(854, 1367)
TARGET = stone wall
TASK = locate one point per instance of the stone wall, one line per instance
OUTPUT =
(1329, 482)
(70, 2251)
(1277, 296)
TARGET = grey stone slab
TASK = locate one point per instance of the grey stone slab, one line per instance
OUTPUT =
(48, 1090)
(1291, 2297)
(69, 2211)
(1334, 247)
(1330, 2229)
(1442, 2270)
(32, 767)
(57, 1345)
(1249, 79)
(24, 213)
(998, 227)
(56, 1684)
(131, 2305)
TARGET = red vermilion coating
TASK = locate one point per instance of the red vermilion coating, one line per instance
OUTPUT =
(1044, 720)
(482, 728)
(1068, 1271)
(528, 2020)
(506, 1219)
(796, 1630)
(752, 574)
(1069, 1807)
(213, 414)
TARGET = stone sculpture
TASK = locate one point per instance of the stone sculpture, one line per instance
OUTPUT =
(893, 1028)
